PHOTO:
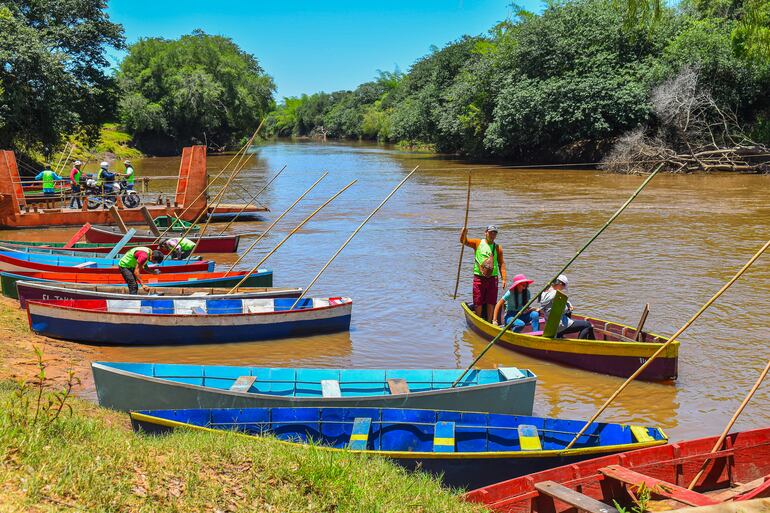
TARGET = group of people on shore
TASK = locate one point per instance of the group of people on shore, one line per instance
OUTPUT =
(104, 180)
(489, 271)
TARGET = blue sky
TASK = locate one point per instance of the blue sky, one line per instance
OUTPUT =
(318, 46)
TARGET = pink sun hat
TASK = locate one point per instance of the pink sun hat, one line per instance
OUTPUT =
(519, 279)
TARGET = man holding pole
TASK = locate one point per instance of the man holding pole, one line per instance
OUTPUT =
(488, 265)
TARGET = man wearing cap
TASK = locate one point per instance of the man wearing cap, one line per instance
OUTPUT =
(488, 265)
(75, 184)
(566, 324)
(129, 174)
(48, 177)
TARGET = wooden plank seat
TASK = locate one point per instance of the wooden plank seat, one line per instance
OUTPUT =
(571, 497)
(359, 436)
(398, 386)
(330, 388)
(444, 437)
(657, 486)
(763, 490)
(243, 383)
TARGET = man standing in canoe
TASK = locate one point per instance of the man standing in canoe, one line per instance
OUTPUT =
(179, 247)
(133, 262)
(488, 265)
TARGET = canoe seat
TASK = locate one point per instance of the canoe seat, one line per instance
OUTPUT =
(83, 265)
(145, 309)
(536, 333)
(359, 436)
(197, 310)
(510, 373)
(243, 383)
(444, 437)
(573, 498)
(529, 438)
(640, 434)
(330, 388)
(198, 294)
(398, 386)
(658, 487)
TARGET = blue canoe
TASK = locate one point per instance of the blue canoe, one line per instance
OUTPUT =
(133, 386)
(6, 264)
(160, 321)
(467, 449)
(43, 250)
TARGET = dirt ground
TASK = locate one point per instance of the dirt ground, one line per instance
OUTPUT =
(17, 345)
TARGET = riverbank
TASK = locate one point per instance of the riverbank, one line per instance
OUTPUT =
(91, 460)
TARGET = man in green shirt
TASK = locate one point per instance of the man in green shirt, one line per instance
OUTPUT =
(488, 265)
(48, 177)
(179, 247)
(129, 174)
(133, 262)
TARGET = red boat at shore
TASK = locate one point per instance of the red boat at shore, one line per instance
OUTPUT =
(739, 472)
(205, 244)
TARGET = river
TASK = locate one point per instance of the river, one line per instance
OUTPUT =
(675, 246)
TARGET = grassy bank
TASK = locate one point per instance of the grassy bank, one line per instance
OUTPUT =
(90, 460)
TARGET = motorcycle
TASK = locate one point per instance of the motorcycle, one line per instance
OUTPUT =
(112, 190)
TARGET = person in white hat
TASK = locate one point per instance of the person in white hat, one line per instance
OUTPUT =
(75, 175)
(129, 174)
(567, 325)
(488, 265)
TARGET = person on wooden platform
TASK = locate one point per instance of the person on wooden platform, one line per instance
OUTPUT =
(133, 262)
(48, 177)
(75, 175)
(129, 175)
(488, 265)
(567, 325)
(514, 300)
(178, 247)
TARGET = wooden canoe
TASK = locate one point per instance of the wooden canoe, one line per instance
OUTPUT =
(177, 225)
(615, 353)
(132, 386)
(30, 262)
(160, 321)
(261, 278)
(738, 472)
(205, 244)
(466, 449)
(81, 253)
(78, 247)
(39, 290)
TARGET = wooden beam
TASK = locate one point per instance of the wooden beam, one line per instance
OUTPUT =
(121, 243)
(243, 383)
(642, 320)
(398, 386)
(149, 220)
(78, 235)
(118, 220)
(657, 486)
(573, 498)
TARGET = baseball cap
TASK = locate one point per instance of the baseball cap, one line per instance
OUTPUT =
(563, 279)
(492, 228)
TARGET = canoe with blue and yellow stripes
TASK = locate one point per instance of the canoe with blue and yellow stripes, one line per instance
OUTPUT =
(466, 449)
(615, 352)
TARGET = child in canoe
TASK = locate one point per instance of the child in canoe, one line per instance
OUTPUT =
(514, 300)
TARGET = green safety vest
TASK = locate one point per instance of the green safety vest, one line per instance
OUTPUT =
(48, 179)
(130, 177)
(77, 176)
(129, 259)
(483, 250)
(185, 244)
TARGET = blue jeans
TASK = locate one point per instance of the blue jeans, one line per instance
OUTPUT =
(534, 320)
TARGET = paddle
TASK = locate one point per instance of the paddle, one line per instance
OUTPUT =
(729, 426)
(295, 230)
(669, 341)
(263, 234)
(253, 198)
(402, 182)
(563, 269)
(465, 227)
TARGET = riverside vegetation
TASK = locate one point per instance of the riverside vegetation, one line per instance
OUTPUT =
(579, 81)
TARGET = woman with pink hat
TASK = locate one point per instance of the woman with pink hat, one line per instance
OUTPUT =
(514, 300)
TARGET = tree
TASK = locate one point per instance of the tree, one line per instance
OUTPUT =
(194, 89)
(53, 78)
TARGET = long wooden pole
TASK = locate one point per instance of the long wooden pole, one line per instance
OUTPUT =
(295, 230)
(561, 271)
(64, 163)
(402, 182)
(205, 189)
(253, 198)
(465, 227)
(264, 233)
(63, 151)
(669, 342)
(729, 426)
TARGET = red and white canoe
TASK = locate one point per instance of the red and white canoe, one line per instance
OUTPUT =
(739, 472)
(205, 244)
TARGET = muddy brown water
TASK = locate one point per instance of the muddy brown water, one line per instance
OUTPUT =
(673, 248)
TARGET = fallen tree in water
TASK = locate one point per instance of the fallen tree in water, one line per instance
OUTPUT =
(692, 133)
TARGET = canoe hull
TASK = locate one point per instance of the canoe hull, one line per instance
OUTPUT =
(207, 244)
(37, 263)
(8, 280)
(614, 358)
(79, 247)
(42, 291)
(122, 390)
(112, 328)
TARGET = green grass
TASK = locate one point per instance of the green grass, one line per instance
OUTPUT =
(115, 142)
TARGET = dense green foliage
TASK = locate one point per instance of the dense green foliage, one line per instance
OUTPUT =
(199, 88)
(560, 85)
(52, 70)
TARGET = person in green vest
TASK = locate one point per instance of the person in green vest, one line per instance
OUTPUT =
(178, 247)
(75, 175)
(48, 177)
(488, 265)
(129, 174)
(134, 262)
